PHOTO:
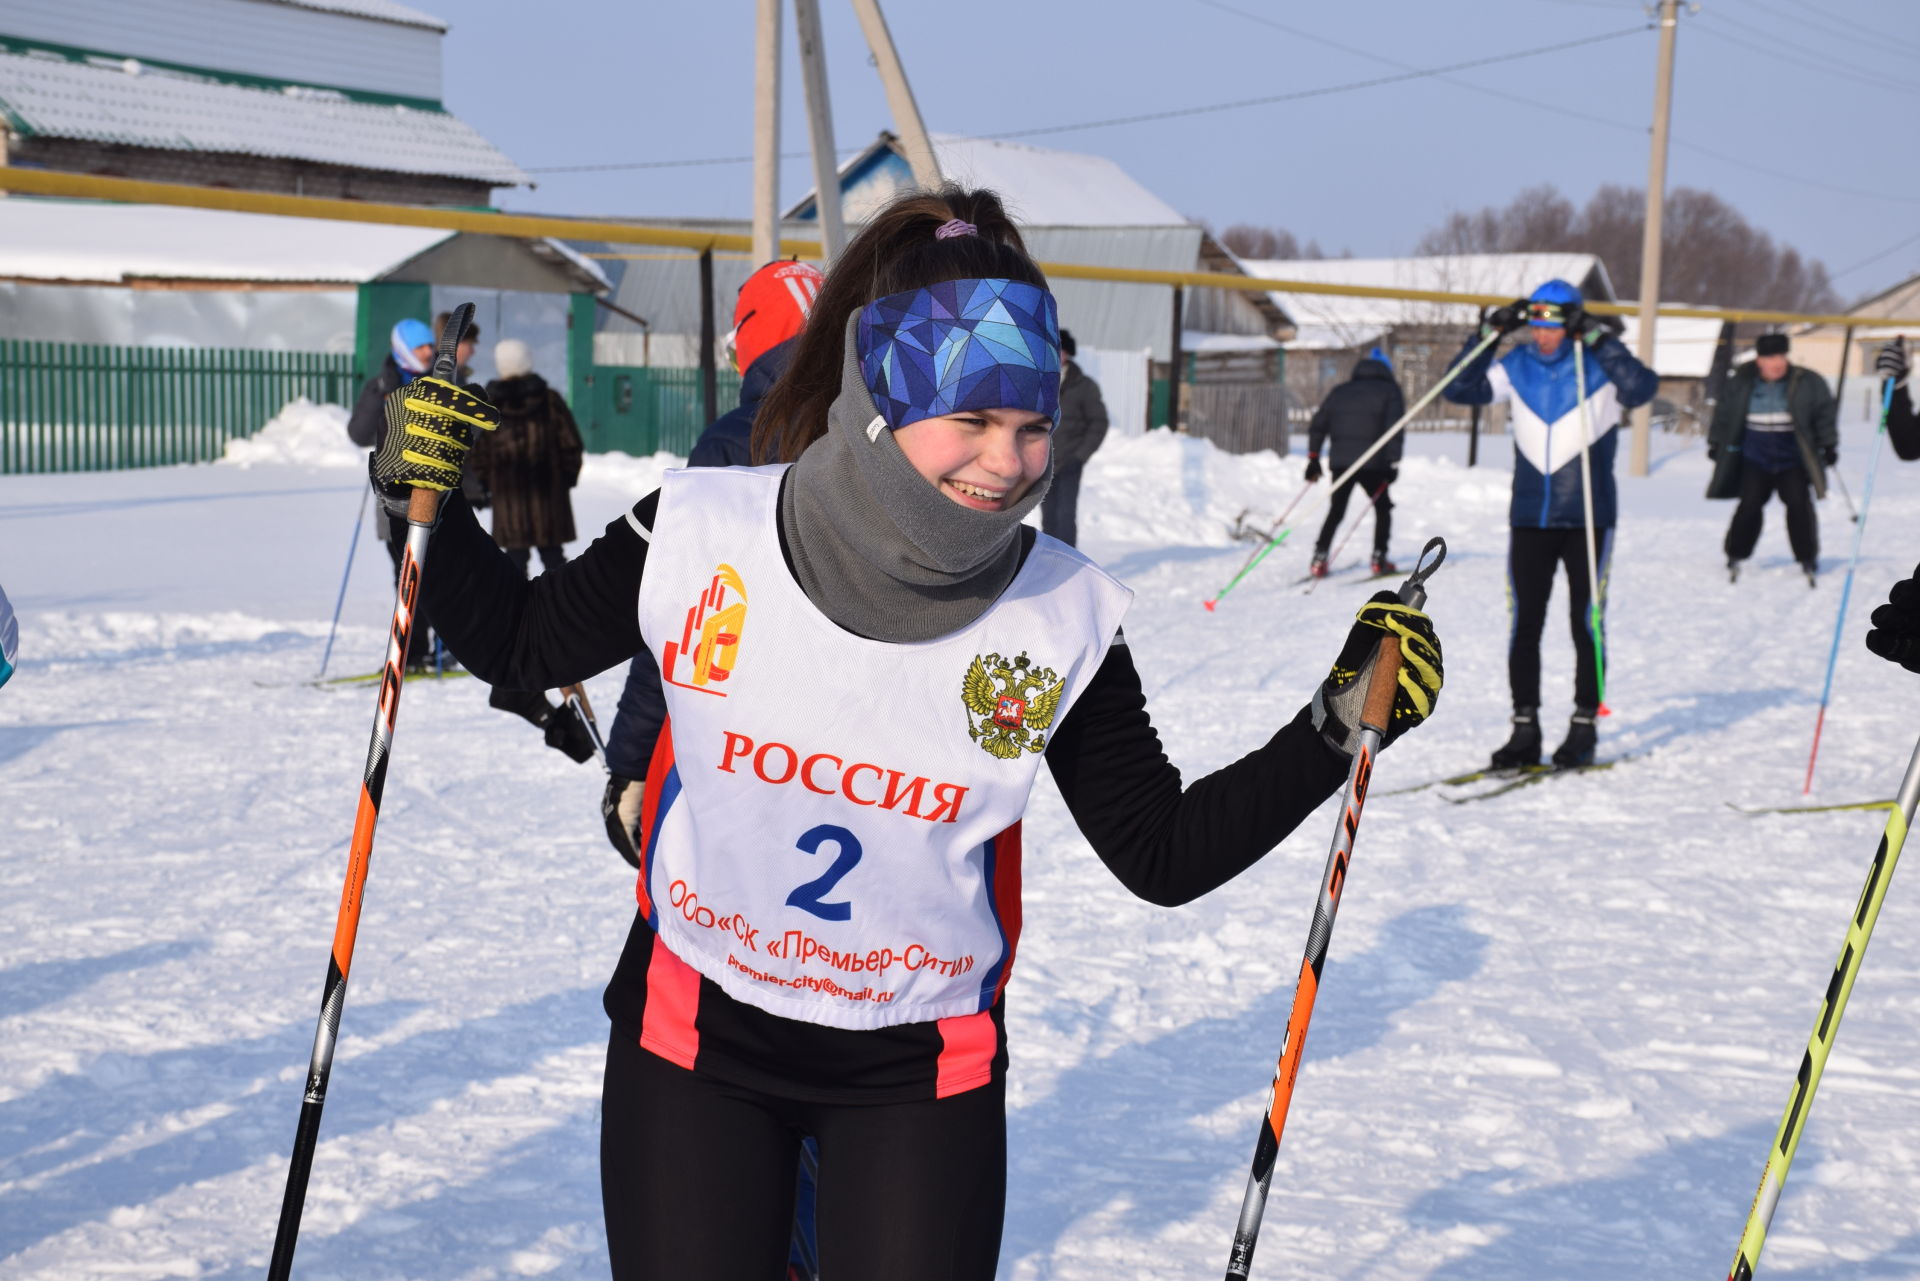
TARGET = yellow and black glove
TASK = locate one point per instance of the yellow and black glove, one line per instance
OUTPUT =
(430, 426)
(1338, 703)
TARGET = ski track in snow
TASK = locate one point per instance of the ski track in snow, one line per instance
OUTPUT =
(1554, 1037)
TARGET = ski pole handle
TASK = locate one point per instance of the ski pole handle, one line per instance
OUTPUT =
(424, 507)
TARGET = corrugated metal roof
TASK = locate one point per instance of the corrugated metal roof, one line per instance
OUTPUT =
(383, 10)
(126, 102)
(1041, 186)
(59, 240)
(1326, 320)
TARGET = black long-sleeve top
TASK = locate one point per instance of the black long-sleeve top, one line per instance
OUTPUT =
(1166, 844)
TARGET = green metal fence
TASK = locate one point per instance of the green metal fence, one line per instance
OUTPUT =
(81, 407)
(641, 409)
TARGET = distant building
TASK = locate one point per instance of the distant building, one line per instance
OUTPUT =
(335, 98)
(1818, 346)
(1071, 207)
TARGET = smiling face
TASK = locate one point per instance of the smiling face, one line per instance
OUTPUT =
(986, 459)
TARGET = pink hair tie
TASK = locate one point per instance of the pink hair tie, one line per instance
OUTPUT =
(957, 227)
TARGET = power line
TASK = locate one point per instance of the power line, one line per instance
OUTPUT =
(1569, 112)
(1375, 82)
(1879, 40)
(1111, 122)
(1803, 59)
(1869, 261)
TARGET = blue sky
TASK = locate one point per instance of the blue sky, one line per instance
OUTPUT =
(1798, 112)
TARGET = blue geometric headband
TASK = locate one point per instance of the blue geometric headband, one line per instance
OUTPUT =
(960, 345)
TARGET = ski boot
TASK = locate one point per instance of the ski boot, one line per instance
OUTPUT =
(1382, 566)
(1581, 742)
(1523, 749)
(1318, 569)
(1811, 568)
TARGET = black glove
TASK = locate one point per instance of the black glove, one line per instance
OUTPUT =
(1341, 698)
(620, 807)
(1586, 327)
(1892, 360)
(1830, 456)
(1504, 320)
(1393, 474)
(1313, 468)
(567, 732)
(430, 427)
(1896, 625)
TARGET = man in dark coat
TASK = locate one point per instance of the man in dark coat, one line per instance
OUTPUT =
(1353, 416)
(1082, 426)
(530, 463)
(1772, 430)
(410, 354)
(767, 319)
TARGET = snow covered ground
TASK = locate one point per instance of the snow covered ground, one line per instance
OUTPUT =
(1554, 1038)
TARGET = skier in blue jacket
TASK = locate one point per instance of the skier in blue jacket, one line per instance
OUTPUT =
(1537, 381)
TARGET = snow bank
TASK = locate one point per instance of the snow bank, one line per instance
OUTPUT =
(305, 434)
(627, 474)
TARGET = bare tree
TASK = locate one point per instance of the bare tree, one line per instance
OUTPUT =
(1711, 253)
(1248, 241)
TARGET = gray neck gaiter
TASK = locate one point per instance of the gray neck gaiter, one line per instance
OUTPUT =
(876, 548)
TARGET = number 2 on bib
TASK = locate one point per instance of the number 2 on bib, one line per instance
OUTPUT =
(808, 897)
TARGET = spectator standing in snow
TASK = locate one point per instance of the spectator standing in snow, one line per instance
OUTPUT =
(1772, 430)
(531, 463)
(1082, 426)
(1353, 416)
(1538, 382)
(866, 656)
(768, 315)
(1903, 426)
(410, 354)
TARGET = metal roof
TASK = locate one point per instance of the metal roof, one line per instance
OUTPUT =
(1042, 187)
(1328, 320)
(125, 101)
(58, 241)
(380, 10)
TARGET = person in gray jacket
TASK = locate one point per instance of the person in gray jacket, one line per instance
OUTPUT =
(1773, 433)
(1082, 426)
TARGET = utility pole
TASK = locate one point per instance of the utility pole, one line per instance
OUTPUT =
(826, 174)
(766, 133)
(1650, 241)
(907, 124)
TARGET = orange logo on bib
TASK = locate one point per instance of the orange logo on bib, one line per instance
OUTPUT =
(710, 642)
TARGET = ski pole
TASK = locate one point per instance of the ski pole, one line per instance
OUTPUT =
(1373, 720)
(1846, 587)
(421, 511)
(1814, 1062)
(1595, 587)
(345, 574)
(576, 698)
(1841, 481)
(1351, 531)
(1398, 427)
(1267, 541)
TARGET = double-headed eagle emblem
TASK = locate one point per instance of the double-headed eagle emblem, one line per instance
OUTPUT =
(1008, 703)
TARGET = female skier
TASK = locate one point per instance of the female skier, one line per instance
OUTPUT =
(865, 656)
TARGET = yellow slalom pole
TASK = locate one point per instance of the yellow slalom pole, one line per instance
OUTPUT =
(1814, 1062)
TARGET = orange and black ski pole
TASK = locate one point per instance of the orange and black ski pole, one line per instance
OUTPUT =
(1373, 727)
(421, 512)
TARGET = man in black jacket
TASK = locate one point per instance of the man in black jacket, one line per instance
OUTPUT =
(1082, 426)
(1773, 429)
(1353, 416)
